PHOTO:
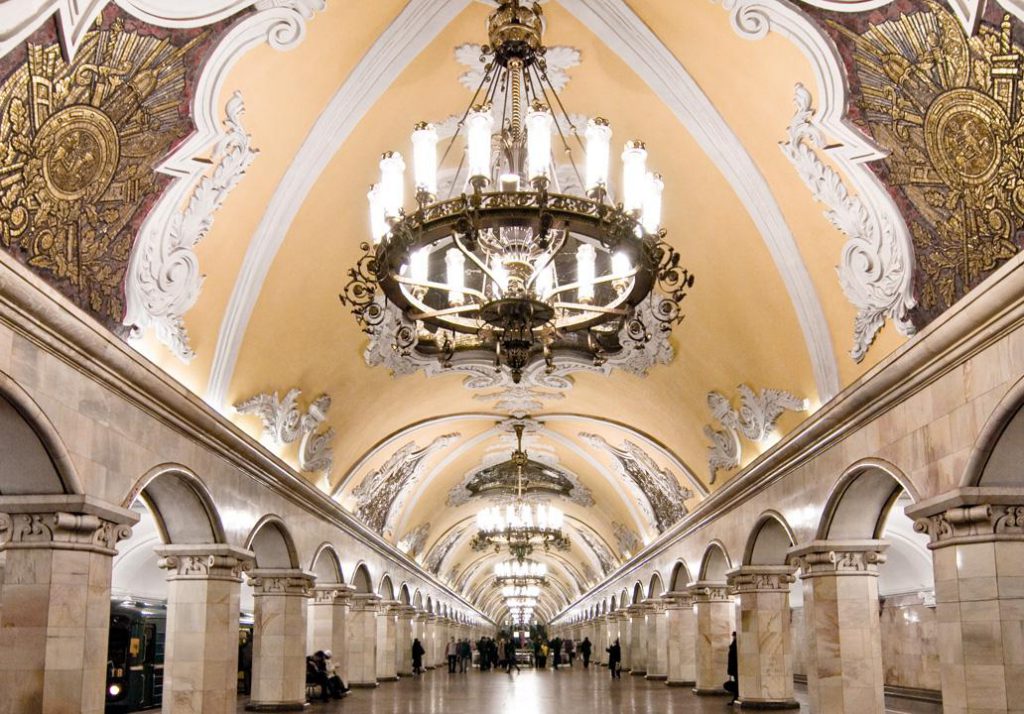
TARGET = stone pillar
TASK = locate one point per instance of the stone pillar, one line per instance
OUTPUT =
(715, 625)
(328, 623)
(604, 627)
(977, 544)
(403, 640)
(56, 601)
(625, 639)
(361, 643)
(843, 633)
(419, 632)
(638, 640)
(657, 641)
(279, 639)
(387, 653)
(430, 641)
(682, 640)
(201, 645)
(763, 641)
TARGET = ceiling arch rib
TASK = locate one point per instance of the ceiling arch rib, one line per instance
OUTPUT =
(629, 37)
(415, 28)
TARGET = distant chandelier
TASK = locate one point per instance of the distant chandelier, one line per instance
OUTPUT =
(518, 526)
(515, 572)
(520, 591)
(517, 265)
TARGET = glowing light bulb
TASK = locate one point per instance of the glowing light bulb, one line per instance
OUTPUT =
(599, 139)
(418, 264)
(479, 124)
(654, 186)
(621, 265)
(586, 258)
(378, 220)
(424, 158)
(634, 175)
(538, 140)
(455, 265)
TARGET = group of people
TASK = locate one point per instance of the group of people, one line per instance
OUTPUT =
(321, 671)
(459, 655)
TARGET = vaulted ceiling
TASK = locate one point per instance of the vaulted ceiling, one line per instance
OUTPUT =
(805, 190)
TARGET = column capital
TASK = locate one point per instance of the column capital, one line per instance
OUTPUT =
(637, 608)
(366, 602)
(705, 591)
(656, 605)
(332, 594)
(290, 582)
(761, 578)
(678, 600)
(971, 515)
(838, 557)
(63, 522)
(210, 561)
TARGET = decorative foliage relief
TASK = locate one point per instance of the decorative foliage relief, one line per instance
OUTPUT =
(283, 423)
(876, 268)
(658, 489)
(413, 541)
(164, 280)
(755, 419)
(380, 495)
(946, 105)
(601, 552)
(558, 59)
(438, 553)
(628, 540)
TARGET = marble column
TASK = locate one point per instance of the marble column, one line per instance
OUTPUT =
(279, 639)
(638, 640)
(657, 640)
(430, 643)
(843, 642)
(977, 544)
(763, 643)
(419, 632)
(403, 639)
(715, 625)
(361, 643)
(201, 641)
(625, 639)
(682, 639)
(328, 623)
(56, 601)
(387, 653)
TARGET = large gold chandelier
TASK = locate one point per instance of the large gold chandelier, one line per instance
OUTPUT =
(515, 265)
(519, 526)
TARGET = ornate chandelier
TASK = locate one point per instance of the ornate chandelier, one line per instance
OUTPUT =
(513, 261)
(520, 591)
(516, 572)
(519, 526)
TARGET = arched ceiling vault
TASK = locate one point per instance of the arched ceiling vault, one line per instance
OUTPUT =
(228, 250)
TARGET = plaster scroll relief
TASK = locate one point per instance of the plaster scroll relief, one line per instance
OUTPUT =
(412, 542)
(283, 423)
(164, 282)
(380, 495)
(755, 419)
(440, 550)
(628, 540)
(658, 491)
(876, 267)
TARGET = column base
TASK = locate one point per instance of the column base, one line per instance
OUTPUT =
(786, 704)
(710, 692)
(638, 673)
(281, 707)
(363, 685)
(657, 677)
(393, 678)
(405, 674)
(679, 683)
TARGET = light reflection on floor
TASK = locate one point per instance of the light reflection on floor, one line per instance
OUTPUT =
(546, 692)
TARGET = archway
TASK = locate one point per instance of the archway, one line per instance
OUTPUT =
(326, 566)
(680, 577)
(361, 580)
(656, 587)
(715, 563)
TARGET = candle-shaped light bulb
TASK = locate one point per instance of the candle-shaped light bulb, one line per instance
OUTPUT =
(634, 175)
(500, 274)
(538, 140)
(599, 140)
(621, 265)
(424, 158)
(653, 188)
(545, 281)
(418, 263)
(586, 257)
(455, 265)
(479, 124)
(378, 220)
(392, 183)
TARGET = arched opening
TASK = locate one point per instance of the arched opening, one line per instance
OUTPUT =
(403, 595)
(769, 541)
(638, 593)
(680, 577)
(272, 545)
(361, 580)
(386, 589)
(715, 563)
(35, 460)
(656, 587)
(996, 459)
(326, 566)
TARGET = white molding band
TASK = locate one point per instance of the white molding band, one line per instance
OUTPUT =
(615, 24)
(408, 35)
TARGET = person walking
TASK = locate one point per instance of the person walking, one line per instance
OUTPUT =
(451, 651)
(585, 648)
(543, 655)
(556, 652)
(733, 670)
(510, 657)
(465, 656)
(417, 657)
(615, 659)
(570, 652)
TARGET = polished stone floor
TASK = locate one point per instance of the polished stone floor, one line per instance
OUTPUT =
(547, 692)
